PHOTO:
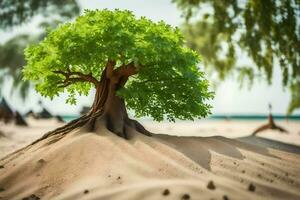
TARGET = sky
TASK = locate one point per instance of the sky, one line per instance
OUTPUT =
(229, 97)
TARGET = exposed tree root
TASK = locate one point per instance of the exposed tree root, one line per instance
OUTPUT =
(87, 123)
(270, 125)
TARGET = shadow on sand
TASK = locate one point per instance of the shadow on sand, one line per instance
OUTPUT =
(267, 143)
(205, 145)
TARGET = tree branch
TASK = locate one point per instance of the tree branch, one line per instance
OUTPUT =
(69, 75)
(69, 81)
(158, 80)
(127, 70)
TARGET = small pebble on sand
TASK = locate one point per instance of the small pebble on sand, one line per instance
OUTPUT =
(211, 185)
(251, 187)
(166, 192)
(225, 197)
(32, 197)
(186, 197)
(86, 191)
(41, 161)
(1, 166)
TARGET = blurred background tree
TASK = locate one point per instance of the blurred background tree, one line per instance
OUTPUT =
(17, 13)
(266, 32)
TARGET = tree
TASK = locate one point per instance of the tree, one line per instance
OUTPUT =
(136, 61)
(270, 125)
(267, 32)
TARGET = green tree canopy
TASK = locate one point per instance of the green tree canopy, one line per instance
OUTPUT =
(267, 31)
(163, 75)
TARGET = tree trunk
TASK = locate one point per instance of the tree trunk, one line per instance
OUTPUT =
(108, 108)
(113, 110)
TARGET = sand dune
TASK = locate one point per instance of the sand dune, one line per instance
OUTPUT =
(104, 166)
(14, 137)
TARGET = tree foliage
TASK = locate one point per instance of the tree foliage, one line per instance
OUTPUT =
(267, 31)
(15, 13)
(168, 83)
(12, 59)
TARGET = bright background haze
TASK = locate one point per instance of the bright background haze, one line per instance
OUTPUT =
(229, 98)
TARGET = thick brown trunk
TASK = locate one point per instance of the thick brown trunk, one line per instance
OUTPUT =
(115, 113)
(102, 89)
(113, 110)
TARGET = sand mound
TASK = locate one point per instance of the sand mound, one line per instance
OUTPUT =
(16, 137)
(105, 166)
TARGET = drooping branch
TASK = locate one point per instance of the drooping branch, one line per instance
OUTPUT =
(72, 77)
(87, 77)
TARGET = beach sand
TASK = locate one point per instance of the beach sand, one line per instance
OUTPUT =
(101, 165)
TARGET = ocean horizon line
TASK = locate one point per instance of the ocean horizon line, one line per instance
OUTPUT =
(220, 117)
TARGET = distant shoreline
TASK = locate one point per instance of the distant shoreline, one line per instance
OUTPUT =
(255, 117)
(68, 118)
